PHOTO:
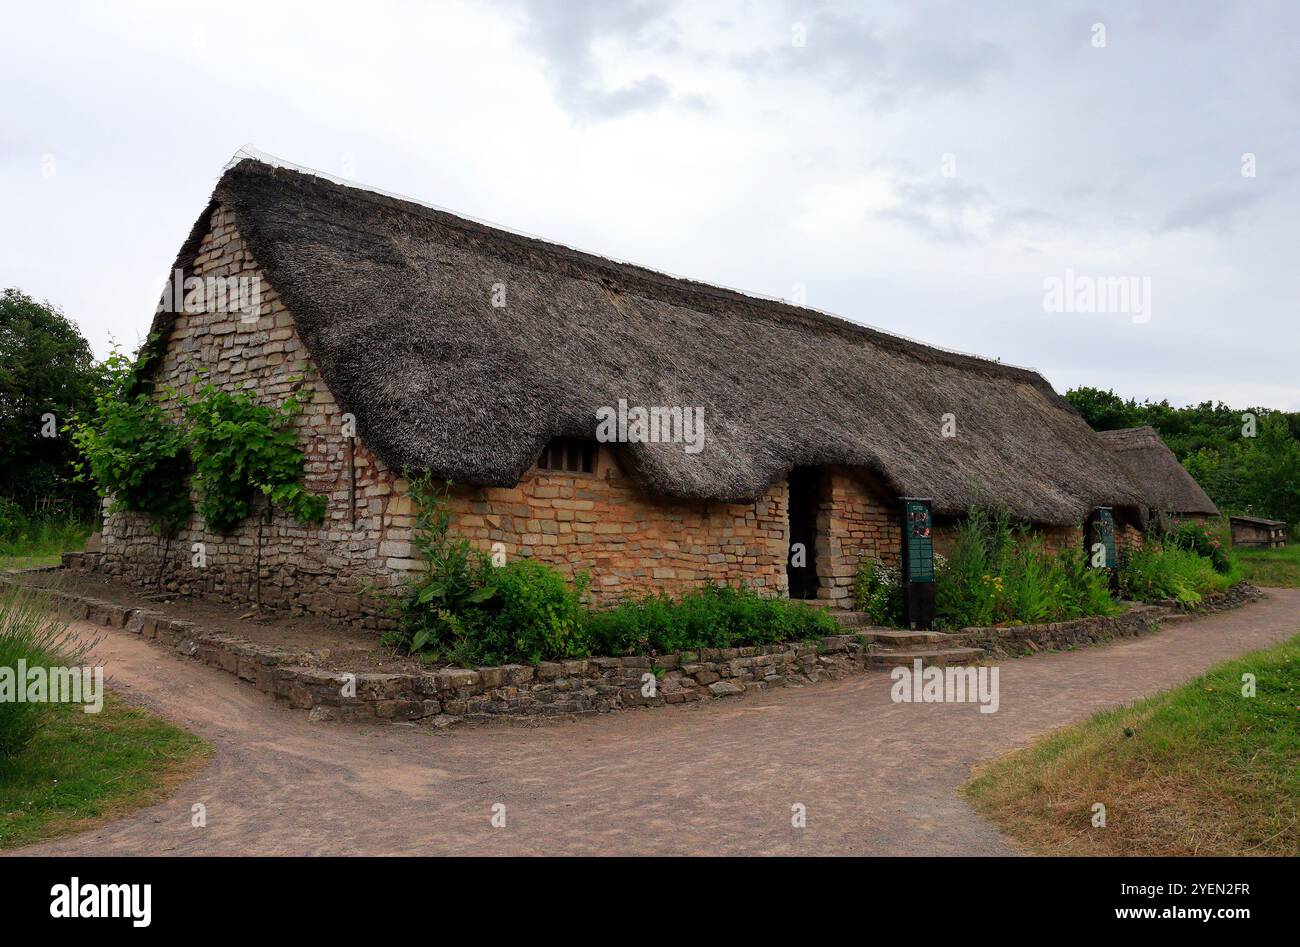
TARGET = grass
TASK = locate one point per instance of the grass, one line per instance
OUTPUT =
(83, 770)
(1196, 770)
(1279, 568)
(31, 543)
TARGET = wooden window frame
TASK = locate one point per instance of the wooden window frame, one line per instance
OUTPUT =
(576, 458)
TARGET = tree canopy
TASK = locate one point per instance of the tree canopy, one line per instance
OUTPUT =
(1246, 459)
(47, 375)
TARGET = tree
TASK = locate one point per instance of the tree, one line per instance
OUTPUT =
(1104, 410)
(47, 375)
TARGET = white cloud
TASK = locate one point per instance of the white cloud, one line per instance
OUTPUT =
(699, 139)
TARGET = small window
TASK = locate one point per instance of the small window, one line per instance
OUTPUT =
(568, 456)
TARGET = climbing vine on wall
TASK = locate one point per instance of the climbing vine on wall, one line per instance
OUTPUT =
(241, 449)
(235, 449)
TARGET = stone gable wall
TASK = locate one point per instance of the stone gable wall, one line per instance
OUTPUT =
(332, 570)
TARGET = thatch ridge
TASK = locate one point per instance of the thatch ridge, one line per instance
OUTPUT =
(1165, 483)
(392, 300)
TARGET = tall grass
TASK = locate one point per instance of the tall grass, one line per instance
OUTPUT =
(40, 637)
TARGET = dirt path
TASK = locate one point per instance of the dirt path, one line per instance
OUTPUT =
(876, 777)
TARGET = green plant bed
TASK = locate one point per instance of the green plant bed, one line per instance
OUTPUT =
(1159, 573)
(464, 609)
(1196, 770)
(998, 573)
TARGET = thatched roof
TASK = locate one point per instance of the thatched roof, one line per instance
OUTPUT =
(393, 301)
(1165, 483)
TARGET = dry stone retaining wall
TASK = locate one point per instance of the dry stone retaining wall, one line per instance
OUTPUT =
(566, 688)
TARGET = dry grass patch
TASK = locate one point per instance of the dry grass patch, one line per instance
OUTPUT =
(1197, 770)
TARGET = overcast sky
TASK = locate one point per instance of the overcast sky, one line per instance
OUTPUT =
(920, 167)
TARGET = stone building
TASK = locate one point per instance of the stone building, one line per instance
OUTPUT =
(521, 370)
(1165, 485)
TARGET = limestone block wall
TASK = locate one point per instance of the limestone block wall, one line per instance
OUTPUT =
(860, 519)
(628, 541)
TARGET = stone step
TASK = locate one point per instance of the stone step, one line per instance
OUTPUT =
(849, 619)
(892, 658)
(902, 638)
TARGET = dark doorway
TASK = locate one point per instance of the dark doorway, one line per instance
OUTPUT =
(801, 558)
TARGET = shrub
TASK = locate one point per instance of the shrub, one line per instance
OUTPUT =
(29, 631)
(133, 452)
(533, 614)
(878, 591)
(454, 578)
(1194, 537)
(463, 610)
(12, 519)
(1160, 572)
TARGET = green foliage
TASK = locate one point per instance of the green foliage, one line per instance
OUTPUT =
(1000, 573)
(24, 537)
(711, 617)
(1198, 539)
(132, 451)
(1257, 475)
(878, 591)
(46, 367)
(241, 449)
(1159, 572)
(454, 580)
(533, 614)
(29, 631)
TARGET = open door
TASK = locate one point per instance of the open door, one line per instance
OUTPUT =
(805, 503)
